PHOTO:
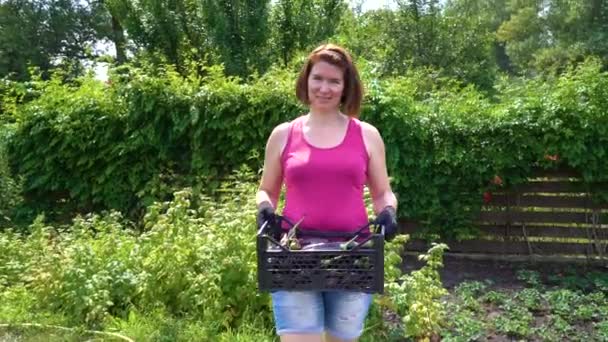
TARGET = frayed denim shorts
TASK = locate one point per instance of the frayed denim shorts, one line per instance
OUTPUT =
(341, 313)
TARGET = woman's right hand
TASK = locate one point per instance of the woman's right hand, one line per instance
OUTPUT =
(272, 175)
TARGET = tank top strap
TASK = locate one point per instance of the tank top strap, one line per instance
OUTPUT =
(294, 137)
(354, 137)
(296, 131)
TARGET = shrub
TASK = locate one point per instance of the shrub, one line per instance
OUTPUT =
(192, 261)
(127, 144)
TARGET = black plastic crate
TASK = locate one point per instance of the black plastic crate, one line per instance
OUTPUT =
(360, 268)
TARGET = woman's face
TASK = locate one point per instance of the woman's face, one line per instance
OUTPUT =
(325, 86)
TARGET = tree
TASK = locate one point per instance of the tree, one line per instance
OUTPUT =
(368, 35)
(524, 34)
(44, 34)
(484, 17)
(238, 29)
(298, 25)
(548, 35)
(164, 31)
(115, 31)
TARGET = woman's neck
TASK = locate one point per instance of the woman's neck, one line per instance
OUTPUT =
(319, 118)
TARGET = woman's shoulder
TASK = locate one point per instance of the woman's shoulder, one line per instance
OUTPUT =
(280, 134)
(282, 129)
(369, 131)
(371, 137)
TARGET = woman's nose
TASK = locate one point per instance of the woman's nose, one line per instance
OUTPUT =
(324, 86)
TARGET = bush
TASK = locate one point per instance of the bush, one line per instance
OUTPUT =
(10, 186)
(191, 271)
(125, 145)
(191, 263)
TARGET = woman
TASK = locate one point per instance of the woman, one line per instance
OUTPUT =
(325, 158)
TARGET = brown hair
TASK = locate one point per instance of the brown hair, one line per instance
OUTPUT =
(352, 95)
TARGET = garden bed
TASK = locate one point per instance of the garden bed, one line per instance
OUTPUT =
(505, 301)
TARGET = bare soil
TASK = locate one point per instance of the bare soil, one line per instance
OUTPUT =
(503, 274)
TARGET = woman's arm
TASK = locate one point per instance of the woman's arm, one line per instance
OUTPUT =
(272, 174)
(378, 181)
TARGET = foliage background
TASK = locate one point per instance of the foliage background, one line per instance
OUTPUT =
(115, 212)
(90, 146)
(461, 90)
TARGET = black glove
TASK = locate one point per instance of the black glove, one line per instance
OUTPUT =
(388, 219)
(266, 213)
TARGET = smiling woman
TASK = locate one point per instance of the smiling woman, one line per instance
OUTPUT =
(325, 84)
(325, 158)
(329, 80)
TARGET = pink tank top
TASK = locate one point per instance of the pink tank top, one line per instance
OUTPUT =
(325, 185)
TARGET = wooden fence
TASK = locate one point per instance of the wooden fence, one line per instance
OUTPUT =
(551, 217)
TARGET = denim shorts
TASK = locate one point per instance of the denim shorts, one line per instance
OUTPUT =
(340, 313)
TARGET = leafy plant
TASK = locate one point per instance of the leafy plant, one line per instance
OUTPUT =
(556, 328)
(190, 262)
(494, 297)
(561, 301)
(531, 298)
(416, 297)
(531, 278)
(464, 325)
(468, 293)
(10, 186)
(470, 289)
(602, 329)
(515, 321)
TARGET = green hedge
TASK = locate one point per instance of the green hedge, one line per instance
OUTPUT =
(125, 144)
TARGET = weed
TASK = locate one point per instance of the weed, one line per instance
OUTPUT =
(464, 326)
(494, 297)
(602, 330)
(562, 301)
(531, 278)
(530, 298)
(470, 289)
(515, 321)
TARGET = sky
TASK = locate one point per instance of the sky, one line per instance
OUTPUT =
(375, 4)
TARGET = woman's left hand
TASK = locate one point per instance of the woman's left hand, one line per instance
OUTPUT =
(388, 219)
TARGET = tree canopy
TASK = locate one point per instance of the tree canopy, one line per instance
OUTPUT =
(472, 41)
